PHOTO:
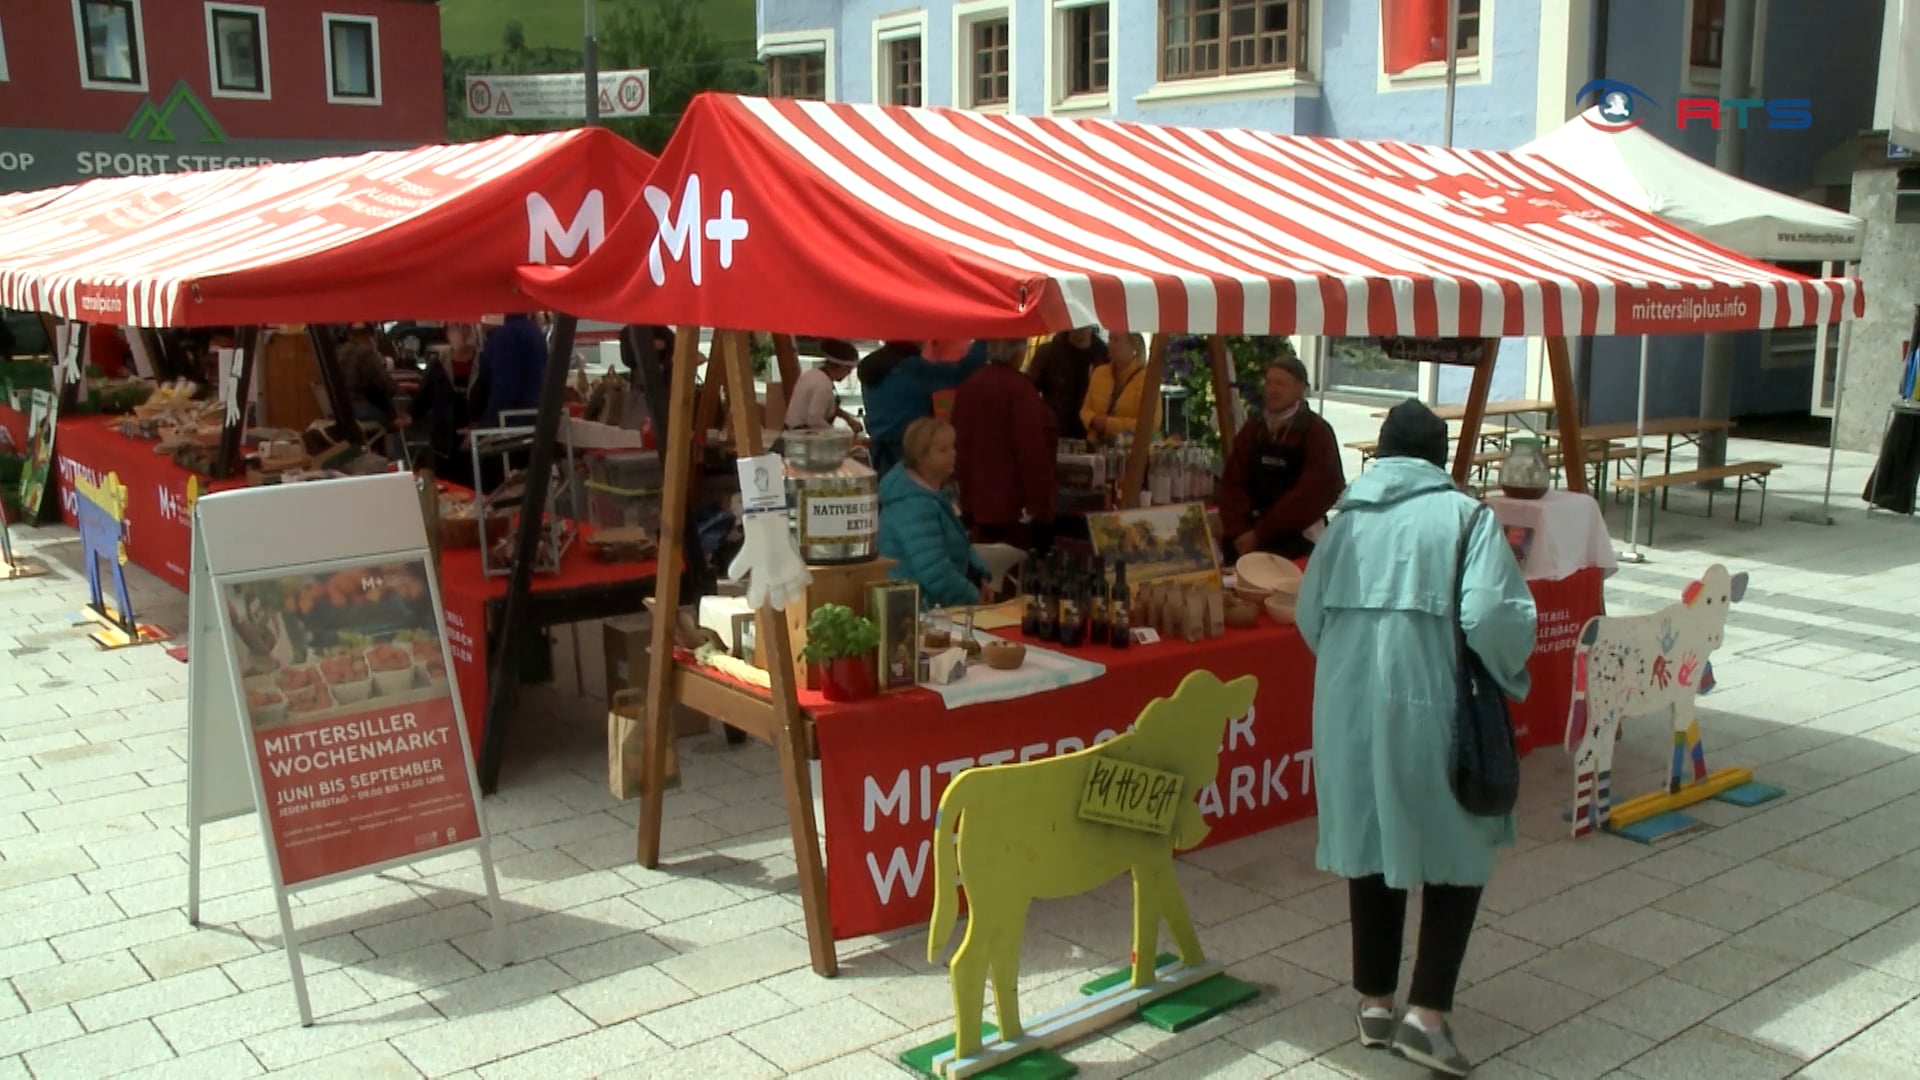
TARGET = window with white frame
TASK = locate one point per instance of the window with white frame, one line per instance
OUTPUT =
(353, 59)
(900, 54)
(237, 50)
(111, 55)
(1468, 30)
(798, 75)
(1085, 36)
(3, 56)
(1210, 39)
(1706, 31)
(986, 41)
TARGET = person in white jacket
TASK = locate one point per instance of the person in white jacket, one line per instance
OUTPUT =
(815, 404)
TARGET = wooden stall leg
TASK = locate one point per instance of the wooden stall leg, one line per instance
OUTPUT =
(787, 356)
(770, 628)
(1476, 412)
(1224, 389)
(1137, 459)
(676, 475)
(1573, 450)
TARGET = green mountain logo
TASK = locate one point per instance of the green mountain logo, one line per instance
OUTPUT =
(155, 124)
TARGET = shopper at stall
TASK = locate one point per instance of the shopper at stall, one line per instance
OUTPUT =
(370, 385)
(1382, 587)
(1118, 396)
(919, 529)
(1283, 472)
(1062, 369)
(815, 405)
(1008, 452)
(897, 384)
(513, 365)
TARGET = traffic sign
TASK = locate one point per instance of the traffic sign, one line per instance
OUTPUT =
(557, 97)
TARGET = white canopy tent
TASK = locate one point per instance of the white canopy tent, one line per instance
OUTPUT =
(1636, 168)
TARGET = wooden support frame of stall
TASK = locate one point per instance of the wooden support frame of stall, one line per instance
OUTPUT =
(1221, 365)
(776, 718)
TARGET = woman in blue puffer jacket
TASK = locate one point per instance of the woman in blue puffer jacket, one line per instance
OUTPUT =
(919, 529)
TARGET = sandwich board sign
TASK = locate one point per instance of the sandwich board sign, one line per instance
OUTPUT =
(318, 690)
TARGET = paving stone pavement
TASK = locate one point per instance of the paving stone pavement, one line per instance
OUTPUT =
(1782, 941)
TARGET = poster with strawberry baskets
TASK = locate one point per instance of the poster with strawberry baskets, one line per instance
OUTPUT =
(351, 716)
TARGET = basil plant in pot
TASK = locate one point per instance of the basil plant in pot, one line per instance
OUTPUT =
(840, 646)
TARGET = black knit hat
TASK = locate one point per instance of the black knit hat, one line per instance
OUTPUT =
(1291, 364)
(1412, 430)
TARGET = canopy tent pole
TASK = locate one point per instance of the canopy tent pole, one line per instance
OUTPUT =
(1224, 390)
(1135, 478)
(1566, 403)
(1453, 64)
(1822, 516)
(339, 399)
(1639, 454)
(504, 678)
(1476, 411)
(636, 348)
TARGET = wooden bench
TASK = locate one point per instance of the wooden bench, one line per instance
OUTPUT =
(1369, 449)
(1744, 473)
(1598, 457)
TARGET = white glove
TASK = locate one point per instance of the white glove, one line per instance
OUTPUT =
(771, 562)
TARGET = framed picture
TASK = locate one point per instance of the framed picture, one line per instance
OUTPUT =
(743, 639)
(1159, 543)
(894, 607)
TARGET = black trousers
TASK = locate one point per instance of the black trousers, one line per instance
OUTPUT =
(1379, 926)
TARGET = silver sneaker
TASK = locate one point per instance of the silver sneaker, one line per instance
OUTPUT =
(1376, 1027)
(1434, 1049)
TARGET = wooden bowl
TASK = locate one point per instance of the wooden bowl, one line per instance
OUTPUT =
(1261, 572)
(1280, 608)
(1242, 615)
(1004, 655)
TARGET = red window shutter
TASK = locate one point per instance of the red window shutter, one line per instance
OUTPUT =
(1412, 32)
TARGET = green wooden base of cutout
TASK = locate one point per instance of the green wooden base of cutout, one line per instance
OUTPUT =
(1658, 827)
(1040, 1064)
(1115, 978)
(1200, 1002)
(1751, 793)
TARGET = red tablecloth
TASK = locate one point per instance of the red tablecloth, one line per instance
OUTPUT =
(465, 593)
(159, 515)
(14, 423)
(884, 762)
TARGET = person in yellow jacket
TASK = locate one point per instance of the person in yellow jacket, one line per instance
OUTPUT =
(1118, 397)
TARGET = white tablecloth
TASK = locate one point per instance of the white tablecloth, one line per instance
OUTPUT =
(1567, 535)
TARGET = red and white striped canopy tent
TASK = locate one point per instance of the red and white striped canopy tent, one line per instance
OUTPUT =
(435, 232)
(875, 221)
(15, 203)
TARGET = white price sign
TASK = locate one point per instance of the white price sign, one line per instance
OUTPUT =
(558, 97)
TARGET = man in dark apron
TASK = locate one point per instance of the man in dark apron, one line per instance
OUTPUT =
(1283, 473)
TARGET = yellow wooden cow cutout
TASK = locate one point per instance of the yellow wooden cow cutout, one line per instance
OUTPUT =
(1019, 835)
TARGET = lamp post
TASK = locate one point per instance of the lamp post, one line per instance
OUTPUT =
(590, 63)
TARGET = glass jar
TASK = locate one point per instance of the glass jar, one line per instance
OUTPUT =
(1524, 473)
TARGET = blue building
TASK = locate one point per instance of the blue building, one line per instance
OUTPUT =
(1321, 67)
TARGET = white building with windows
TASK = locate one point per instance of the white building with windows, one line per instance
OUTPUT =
(1363, 69)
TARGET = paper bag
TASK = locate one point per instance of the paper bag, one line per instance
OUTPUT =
(627, 746)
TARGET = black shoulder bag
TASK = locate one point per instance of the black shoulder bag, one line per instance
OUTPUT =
(1486, 764)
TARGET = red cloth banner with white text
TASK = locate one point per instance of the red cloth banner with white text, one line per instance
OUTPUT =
(1412, 32)
(354, 730)
(885, 762)
(1565, 605)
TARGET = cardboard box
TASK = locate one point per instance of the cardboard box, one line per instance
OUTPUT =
(627, 640)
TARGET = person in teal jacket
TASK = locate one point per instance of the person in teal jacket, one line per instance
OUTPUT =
(919, 529)
(897, 385)
(1377, 609)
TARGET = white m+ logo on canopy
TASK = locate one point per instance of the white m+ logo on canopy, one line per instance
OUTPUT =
(682, 236)
(545, 234)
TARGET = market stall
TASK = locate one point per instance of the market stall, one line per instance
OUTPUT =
(930, 224)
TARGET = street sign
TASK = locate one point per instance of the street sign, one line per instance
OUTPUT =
(557, 97)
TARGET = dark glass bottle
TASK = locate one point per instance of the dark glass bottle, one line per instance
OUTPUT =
(1098, 602)
(1030, 589)
(1073, 617)
(1049, 615)
(1119, 613)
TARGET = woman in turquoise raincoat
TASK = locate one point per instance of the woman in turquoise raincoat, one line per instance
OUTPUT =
(1377, 610)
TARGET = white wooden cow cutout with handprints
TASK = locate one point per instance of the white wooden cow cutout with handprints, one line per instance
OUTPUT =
(1637, 665)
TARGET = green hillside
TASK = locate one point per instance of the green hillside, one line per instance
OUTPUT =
(471, 28)
(689, 45)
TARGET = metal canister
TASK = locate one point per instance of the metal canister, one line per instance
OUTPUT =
(835, 499)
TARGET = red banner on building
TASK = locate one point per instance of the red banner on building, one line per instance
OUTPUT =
(355, 736)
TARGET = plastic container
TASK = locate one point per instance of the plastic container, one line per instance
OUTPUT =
(627, 470)
(610, 507)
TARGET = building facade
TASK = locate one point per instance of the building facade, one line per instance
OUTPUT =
(1355, 69)
(119, 87)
